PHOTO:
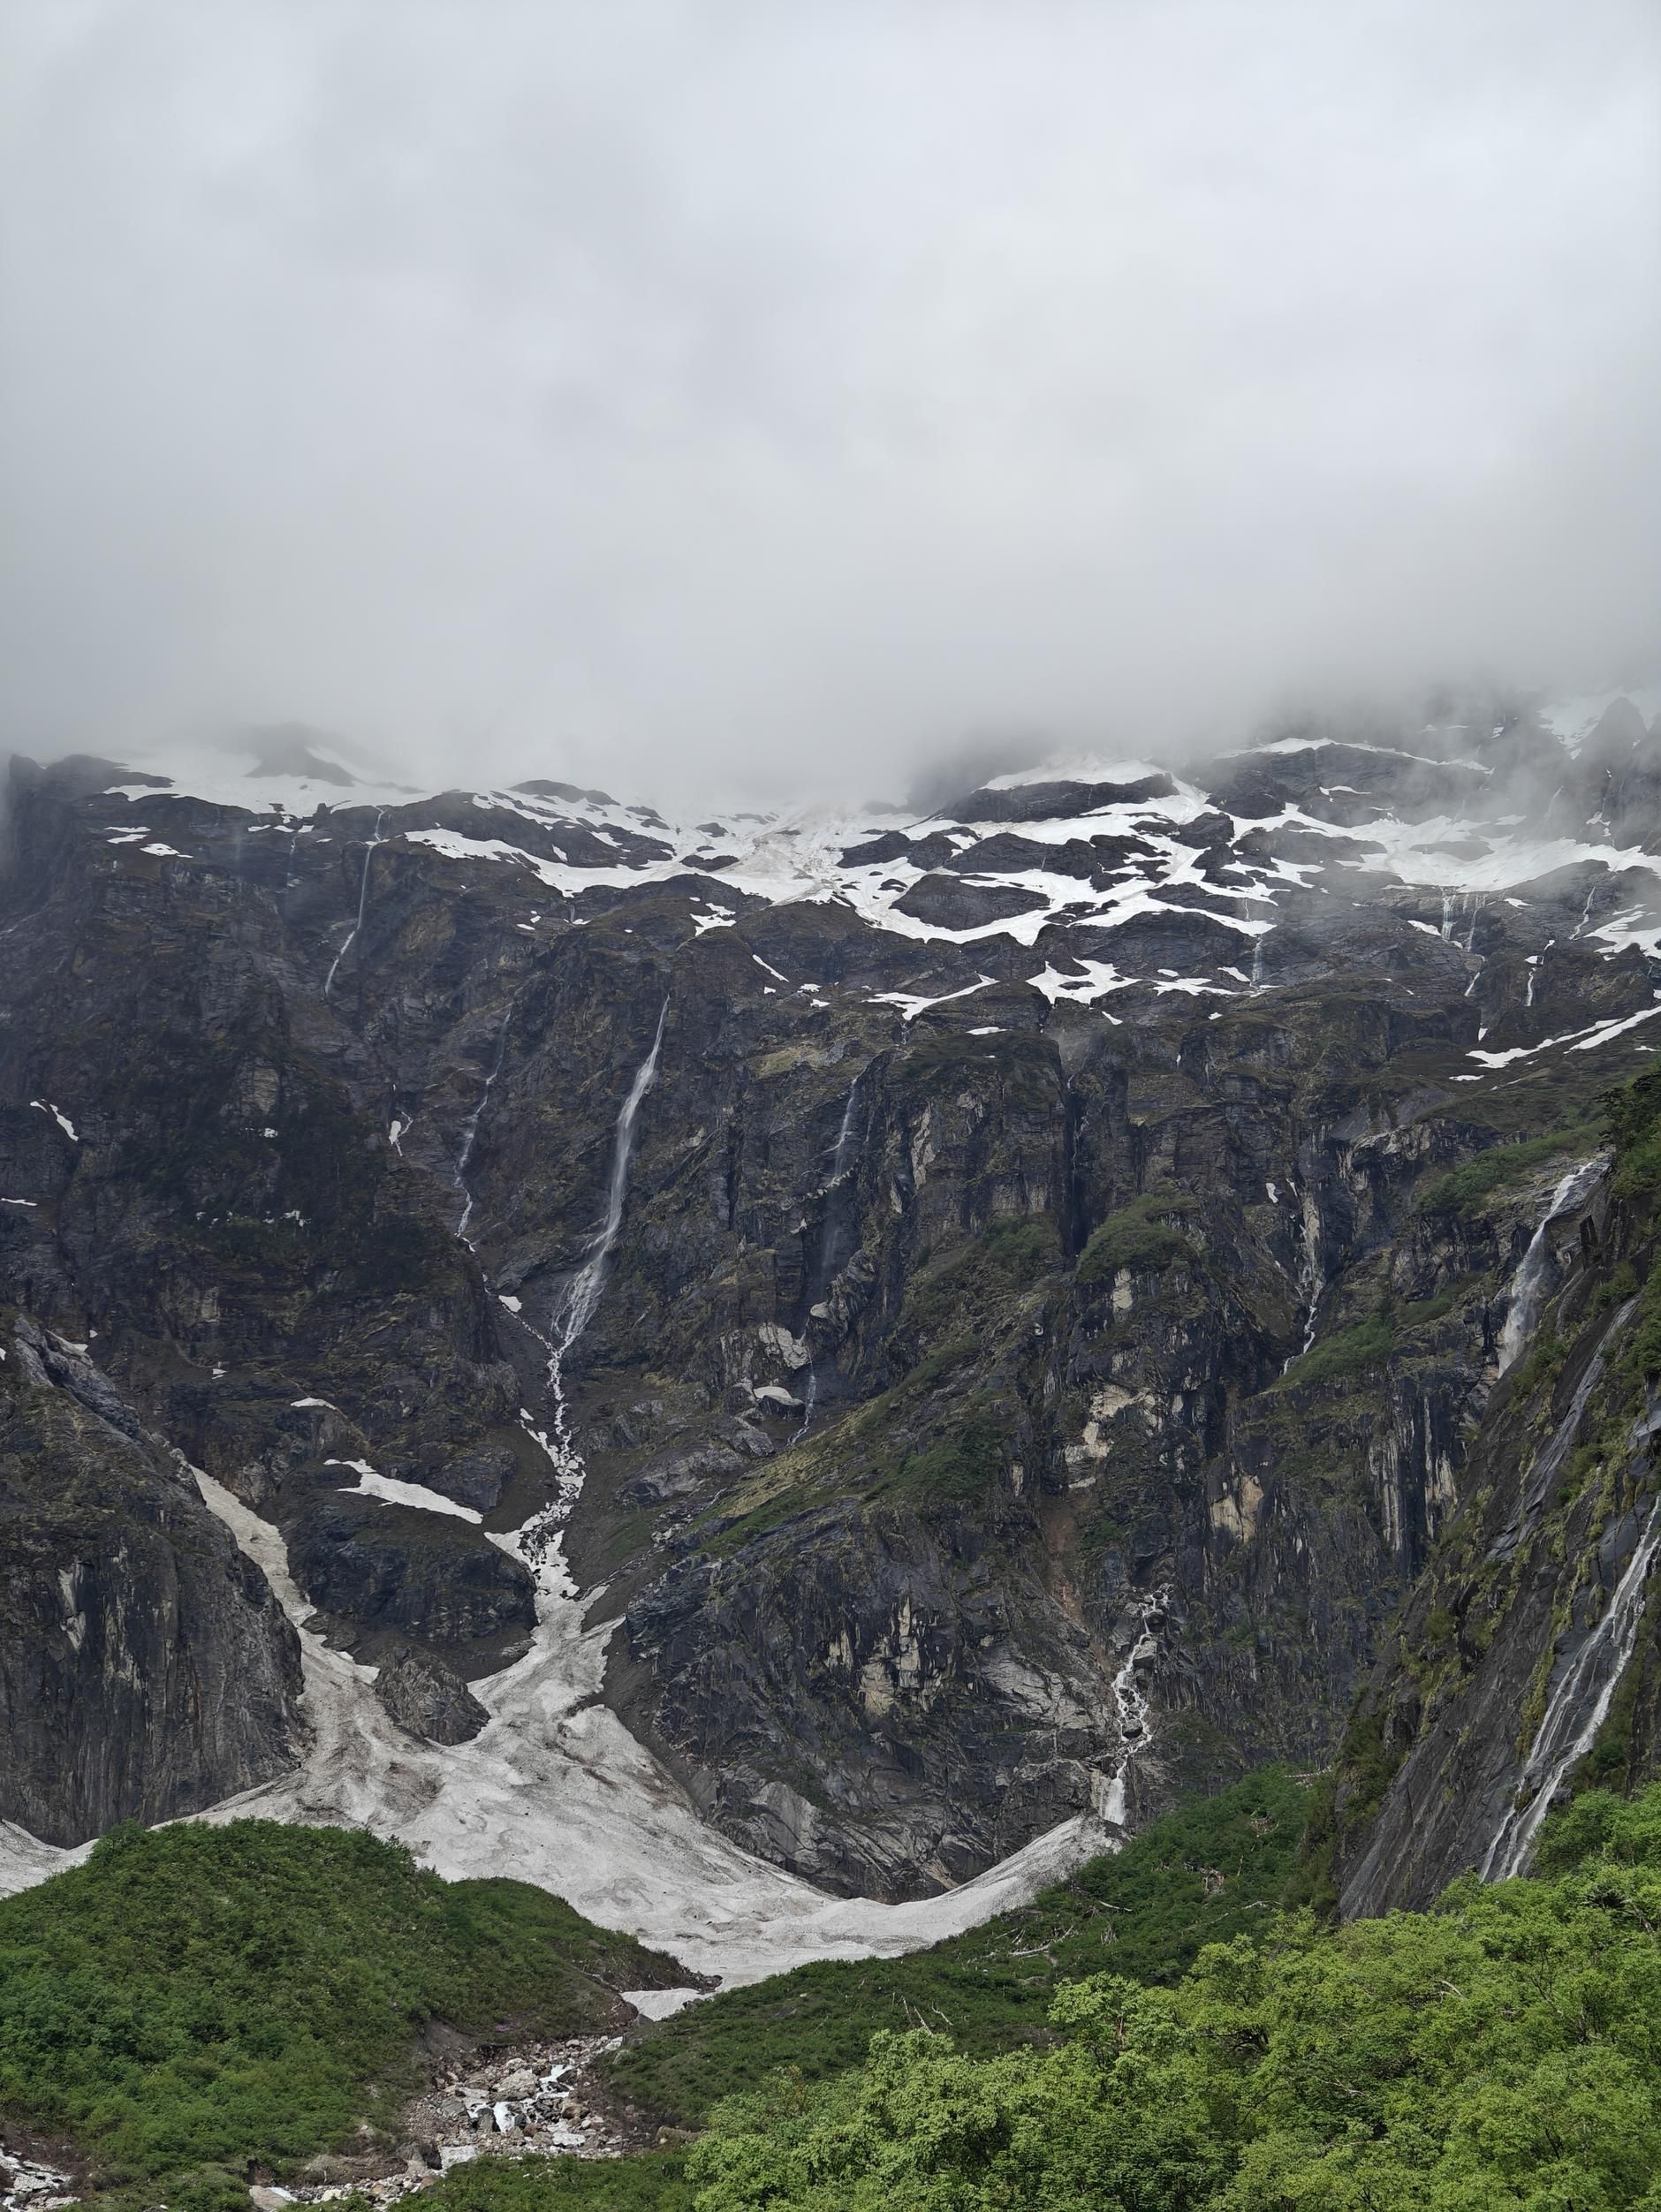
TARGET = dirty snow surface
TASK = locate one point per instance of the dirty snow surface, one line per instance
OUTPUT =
(555, 1791)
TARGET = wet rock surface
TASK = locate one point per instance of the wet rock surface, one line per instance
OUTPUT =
(27, 2185)
(1026, 1223)
(145, 1669)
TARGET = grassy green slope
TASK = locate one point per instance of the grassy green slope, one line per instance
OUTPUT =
(652, 2181)
(1202, 1875)
(193, 1999)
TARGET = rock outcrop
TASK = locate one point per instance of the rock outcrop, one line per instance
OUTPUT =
(145, 1669)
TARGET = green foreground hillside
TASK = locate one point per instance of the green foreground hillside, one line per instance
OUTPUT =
(1152, 2036)
(193, 1999)
(1501, 2053)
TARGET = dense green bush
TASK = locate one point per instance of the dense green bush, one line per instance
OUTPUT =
(195, 1997)
(654, 2181)
(1345, 1352)
(1497, 2054)
(1009, 1255)
(1633, 1117)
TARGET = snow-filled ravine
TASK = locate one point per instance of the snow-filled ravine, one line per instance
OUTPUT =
(555, 1790)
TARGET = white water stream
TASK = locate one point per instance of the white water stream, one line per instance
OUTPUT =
(363, 900)
(1528, 1285)
(1131, 1697)
(582, 1294)
(839, 1154)
(1577, 1709)
(470, 1128)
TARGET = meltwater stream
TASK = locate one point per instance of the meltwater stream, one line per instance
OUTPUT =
(576, 1306)
(1130, 1695)
(470, 1127)
(1576, 1709)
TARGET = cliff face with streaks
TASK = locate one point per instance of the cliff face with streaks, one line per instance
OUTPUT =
(1050, 1322)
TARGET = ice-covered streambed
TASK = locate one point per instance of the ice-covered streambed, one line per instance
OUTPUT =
(556, 1791)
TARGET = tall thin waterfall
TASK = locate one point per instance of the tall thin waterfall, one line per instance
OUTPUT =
(573, 1310)
(1311, 1274)
(582, 1295)
(845, 1133)
(1528, 1288)
(363, 899)
(470, 1127)
(1577, 1708)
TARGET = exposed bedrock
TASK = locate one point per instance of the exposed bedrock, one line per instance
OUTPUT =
(145, 1669)
(992, 1329)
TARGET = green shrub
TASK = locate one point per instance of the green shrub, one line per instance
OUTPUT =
(1138, 1236)
(653, 2182)
(1463, 1189)
(1496, 2054)
(1009, 1257)
(1543, 1365)
(1632, 1116)
(1346, 1351)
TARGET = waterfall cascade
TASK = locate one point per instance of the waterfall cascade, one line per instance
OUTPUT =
(841, 1154)
(1131, 1699)
(363, 900)
(1577, 1708)
(582, 1295)
(1529, 1285)
(845, 1133)
(1544, 1473)
(1311, 1274)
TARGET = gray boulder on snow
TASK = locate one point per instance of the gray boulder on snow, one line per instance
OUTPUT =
(427, 1698)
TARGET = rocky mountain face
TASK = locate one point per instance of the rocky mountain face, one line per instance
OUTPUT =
(1012, 1304)
(1527, 1664)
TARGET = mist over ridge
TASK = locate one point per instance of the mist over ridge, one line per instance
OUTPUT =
(684, 398)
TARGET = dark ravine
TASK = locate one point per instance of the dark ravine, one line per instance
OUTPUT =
(984, 1311)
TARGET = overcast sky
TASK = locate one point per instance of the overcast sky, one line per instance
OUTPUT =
(673, 391)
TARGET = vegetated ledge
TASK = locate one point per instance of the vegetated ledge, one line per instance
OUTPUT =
(195, 2001)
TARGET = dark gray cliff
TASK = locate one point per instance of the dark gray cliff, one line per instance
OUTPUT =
(1528, 1660)
(1030, 1372)
(146, 1670)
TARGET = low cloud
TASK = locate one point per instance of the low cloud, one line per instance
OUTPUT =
(694, 396)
